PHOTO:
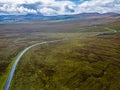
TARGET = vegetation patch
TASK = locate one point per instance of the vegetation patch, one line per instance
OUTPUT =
(82, 64)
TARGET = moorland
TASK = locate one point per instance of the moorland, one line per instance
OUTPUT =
(88, 58)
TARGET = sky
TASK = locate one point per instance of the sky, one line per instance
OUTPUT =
(58, 7)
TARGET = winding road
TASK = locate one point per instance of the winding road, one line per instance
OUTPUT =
(8, 82)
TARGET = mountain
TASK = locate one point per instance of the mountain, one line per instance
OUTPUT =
(33, 17)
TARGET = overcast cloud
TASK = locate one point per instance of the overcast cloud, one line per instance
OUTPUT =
(58, 7)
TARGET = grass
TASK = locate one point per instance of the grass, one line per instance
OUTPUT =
(12, 41)
(4, 76)
(82, 64)
(14, 37)
(11, 47)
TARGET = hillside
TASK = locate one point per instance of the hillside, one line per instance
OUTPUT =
(15, 36)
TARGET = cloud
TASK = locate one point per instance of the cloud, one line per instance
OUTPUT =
(58, 7)
(100, 6)
(15, 9)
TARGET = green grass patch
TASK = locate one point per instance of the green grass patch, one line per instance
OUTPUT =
(82, 64)
(4, 76)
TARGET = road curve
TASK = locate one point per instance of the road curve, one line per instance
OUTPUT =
(8, 82)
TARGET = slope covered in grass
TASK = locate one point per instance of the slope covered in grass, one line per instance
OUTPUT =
(82, 64)
(14, 37)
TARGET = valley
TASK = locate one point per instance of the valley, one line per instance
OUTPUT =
(90, 52)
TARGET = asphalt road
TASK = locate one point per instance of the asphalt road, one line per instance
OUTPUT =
(11, 74)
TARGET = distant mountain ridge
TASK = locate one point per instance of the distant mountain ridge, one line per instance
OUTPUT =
(30, 17)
